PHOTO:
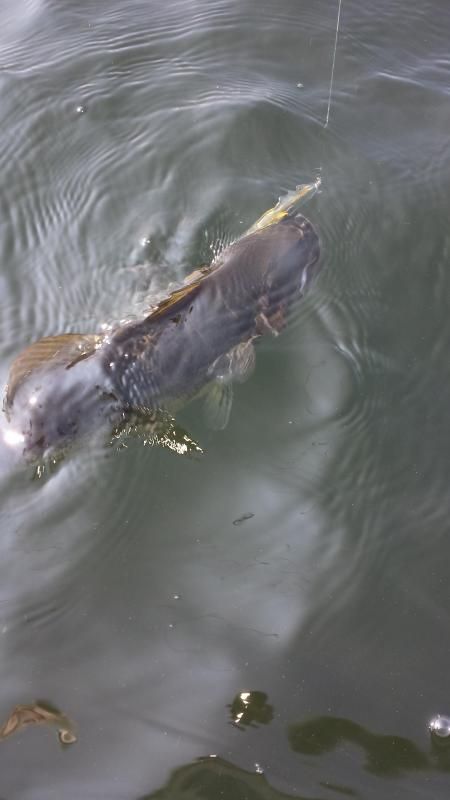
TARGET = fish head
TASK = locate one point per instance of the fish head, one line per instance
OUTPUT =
(292, 254)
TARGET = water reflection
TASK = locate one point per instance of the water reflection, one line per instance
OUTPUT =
(386, 755)
(212, 777)
(250, 709)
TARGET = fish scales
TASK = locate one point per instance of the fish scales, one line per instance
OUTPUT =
(170, 355)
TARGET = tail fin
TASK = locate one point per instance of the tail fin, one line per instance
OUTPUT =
(65, 350)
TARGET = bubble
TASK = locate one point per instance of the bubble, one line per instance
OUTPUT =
(439, 726)
(81, 109)
(259, 769)
(66, 736)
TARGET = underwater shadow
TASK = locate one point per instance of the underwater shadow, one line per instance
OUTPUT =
(386, 755)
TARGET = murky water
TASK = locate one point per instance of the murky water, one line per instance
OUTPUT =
(302, 650)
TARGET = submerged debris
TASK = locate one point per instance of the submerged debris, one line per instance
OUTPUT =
(244, 518)
(39, 713)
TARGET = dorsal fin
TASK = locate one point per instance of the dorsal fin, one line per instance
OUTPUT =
(66, 349)
(197, 274)
(177, 299)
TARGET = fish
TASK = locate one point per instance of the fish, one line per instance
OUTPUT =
(196, 342)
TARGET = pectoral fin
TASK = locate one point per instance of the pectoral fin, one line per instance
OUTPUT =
(237, 364)
(218, 402)
(243, 359)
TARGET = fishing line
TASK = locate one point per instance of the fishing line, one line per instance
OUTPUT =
(334, 61)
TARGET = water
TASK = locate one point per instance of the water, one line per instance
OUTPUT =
(137, 140)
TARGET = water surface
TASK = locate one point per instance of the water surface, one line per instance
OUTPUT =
(137, 140)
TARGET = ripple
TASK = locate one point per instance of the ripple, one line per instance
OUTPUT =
(196, 117)
(41, 575)
(120, 141)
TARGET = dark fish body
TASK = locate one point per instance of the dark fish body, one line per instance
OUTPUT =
(173, 353)
(67, 386)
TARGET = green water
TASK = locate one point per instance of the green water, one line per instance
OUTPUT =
(138, 139)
